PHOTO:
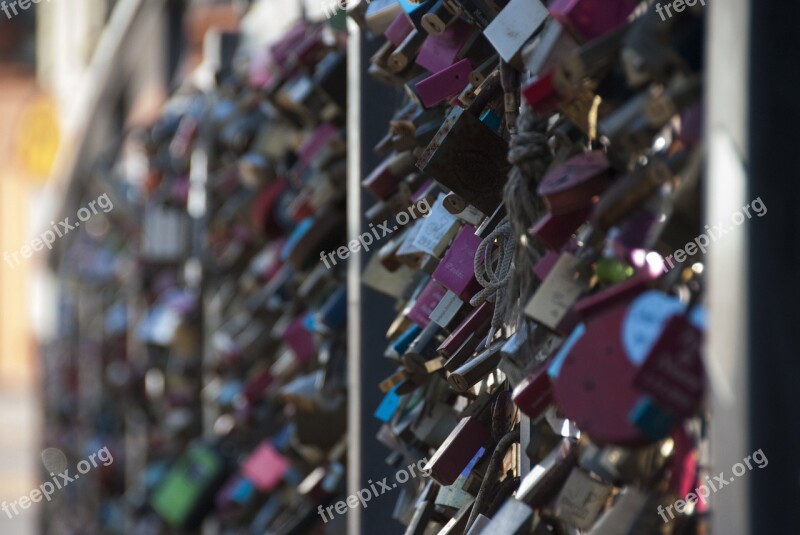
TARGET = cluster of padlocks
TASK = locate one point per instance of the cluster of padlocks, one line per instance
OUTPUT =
(218, 354)
(540, 179)
(547, 346)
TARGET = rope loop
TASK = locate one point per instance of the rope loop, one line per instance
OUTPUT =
(493, 267)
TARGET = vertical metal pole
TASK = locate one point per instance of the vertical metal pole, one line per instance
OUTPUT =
(726, 104)
(354, 400)
(370, 106)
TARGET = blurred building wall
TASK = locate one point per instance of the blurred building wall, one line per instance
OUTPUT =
(19, 443)
(67, 33)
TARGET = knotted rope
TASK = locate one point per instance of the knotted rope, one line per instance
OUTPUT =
(493, 268)
(507, 270)
(530, 156)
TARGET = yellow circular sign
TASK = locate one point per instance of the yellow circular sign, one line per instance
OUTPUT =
(37, 138)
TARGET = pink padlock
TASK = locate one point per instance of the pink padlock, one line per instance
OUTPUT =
(426, 301)
(440, 51)
(456, 271)
(437, 88)
(589, 19)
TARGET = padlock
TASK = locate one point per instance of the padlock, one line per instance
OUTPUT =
(422, 349)
(380, 69)
(476, 369)
(384, 179)
(581, 499)
(415, 11)
(425, 303)
(518, 21)
(541, 93)
(455, 453)
(549, 475)
(265, 468)
(326, 137)
(434, 428)
(467, 157)
(458, 522)
(480, 12)
(623, 514)
(514, 517)
(683, 215)
(456, 496)
(404, 250)
(476, 323)
(573, 185)
(237, 493)
(535, 394)
(406, 52)
(655, 49)
(440, 17)
(435, 89)
(422, 515)
(384, 211)
(409, 130)
(593, 60)
(182, 497)
(587, 19)
(436, 230)
(629, 419)
(322, 426)
(555, 231)
(441, 51)
(466, 350)
(482, 71)
(672, 373)
(399, 29)
(281, 50)
(380, 14)
(333, 313)
(299, 99)
(548, 48)
(449, 311)
(628, 127)
(557, 294)
(456, 270)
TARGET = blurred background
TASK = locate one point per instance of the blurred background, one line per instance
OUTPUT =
(73, 75)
